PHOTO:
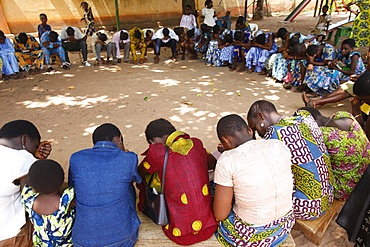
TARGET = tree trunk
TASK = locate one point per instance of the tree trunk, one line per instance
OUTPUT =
(258, 13)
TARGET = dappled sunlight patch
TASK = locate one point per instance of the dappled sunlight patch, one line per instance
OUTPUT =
(157, 70)
(90, 130)
(128, 126)
(205, 83)
(272, 97)
(225, 113)
(197, 90)
(65, 100)
(54, 72)
(167, 82)
(68, 75)
(139, 93)
(185, 109)
(113, 68)
(230, 93)
(140, 66)
(176, 118)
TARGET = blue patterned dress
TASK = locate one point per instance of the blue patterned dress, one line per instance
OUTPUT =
(54, 229)
(7, 54)
(317, 79)
(257, 56)
(311, 165)
(213, 54)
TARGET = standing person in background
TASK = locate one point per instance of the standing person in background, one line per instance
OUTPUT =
(121, 39)
(43, 27)
(188, 20)
(361, 25)
(209, 13)
(88, 18)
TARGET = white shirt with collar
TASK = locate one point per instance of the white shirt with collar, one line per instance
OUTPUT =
(78, 34)
(159, 35)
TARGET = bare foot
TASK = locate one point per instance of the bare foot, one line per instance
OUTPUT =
(241, 69)
(249, 71)
(156, 59)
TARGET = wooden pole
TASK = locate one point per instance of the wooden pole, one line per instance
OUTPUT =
(117, 15)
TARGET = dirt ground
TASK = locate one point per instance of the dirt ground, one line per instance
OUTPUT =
(67, 106)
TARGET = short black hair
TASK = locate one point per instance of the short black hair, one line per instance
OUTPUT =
(204, 27)
(293, 41)
(19, 128)
(166, 32)
(362, 85)
(148, 32)
(53, 36)
(261, 39)
(281, 32)
(190, 33)
(45, 176)
(22, 37)
(105, 132)
(228, 38)
(158, 128)
(349, 42)
(123, 35)
(238, 35)
(137, 34)
(44, 15)
(297, 49)
(240, 20)
(207, 2)
(178, 30)
(314, 112)
(188, 6)
(103, 37)
(2, 33)
(216, 29)
(260, 106)
(230, 125)
(312, 50)
(70, 31)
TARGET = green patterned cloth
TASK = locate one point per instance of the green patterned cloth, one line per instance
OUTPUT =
(349, 154)
(361, 25)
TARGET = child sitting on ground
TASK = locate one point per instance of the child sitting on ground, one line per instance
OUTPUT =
(49, 210)
(202, 45)
(240, 47)
(193, 37)
(180, 45)
(322, 21)
(213, 51)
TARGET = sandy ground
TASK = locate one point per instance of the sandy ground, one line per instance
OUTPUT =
(67, 106)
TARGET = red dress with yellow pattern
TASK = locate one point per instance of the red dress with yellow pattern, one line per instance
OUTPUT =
(187, 190)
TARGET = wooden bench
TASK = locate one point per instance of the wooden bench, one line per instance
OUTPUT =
(340, 30)
(152, 235)
(314, 230)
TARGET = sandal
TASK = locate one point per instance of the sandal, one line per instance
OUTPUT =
(50, 69)
(307, 101)
(287, 85)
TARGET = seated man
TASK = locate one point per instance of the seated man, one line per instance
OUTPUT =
(74, 40)
(27, 48)
(10, 69)
(137, 41)
(165, 37)
(103, 178)
(52, 44)
(121, 40)
(99, 42)
(257, 175)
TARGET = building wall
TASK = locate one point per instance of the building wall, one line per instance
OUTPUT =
(23, 15)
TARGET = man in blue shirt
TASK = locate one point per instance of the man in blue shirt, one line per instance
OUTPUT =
(103, 179)
(51, 43)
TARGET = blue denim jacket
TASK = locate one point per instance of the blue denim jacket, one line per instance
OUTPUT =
(105, 197)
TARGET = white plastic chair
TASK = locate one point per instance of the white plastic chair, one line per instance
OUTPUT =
(254, 28)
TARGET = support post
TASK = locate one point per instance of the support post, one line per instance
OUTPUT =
(117, 15)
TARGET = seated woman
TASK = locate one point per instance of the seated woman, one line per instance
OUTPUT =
(362, 90)
(10, 69)
(348, 147)
(263, 46)
(51, 211)
(103, 178)
(257, 175)
(311, 166)
(319, 57)
(19, 148)
(27, 48)
(189, 202)
(343, 92)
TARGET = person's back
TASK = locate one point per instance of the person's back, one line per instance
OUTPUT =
(105, 197)
(255, 179)
(187, 192)
(310, 163)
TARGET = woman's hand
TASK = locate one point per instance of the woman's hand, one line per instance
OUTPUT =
(311, 59)
(44, 150)
(220, 148)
